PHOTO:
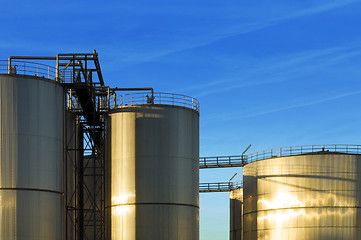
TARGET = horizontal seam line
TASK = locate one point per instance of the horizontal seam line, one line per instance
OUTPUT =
(32, 189)
(127, 204)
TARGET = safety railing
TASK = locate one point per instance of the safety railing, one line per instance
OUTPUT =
(66, 76)
(221, 161)
(299, 150)
(28, 68)
(220, 186)
(157, 98)
(4, 66)
(241, 160)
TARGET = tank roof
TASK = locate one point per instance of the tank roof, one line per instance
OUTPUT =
(156, 98)
(303, 150)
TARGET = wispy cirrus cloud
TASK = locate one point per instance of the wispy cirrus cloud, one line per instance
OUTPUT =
(239, 115)
(280, 69)
(187, 42)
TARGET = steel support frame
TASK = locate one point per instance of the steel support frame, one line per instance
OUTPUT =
(85, 163)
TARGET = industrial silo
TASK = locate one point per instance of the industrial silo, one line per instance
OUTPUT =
(236, 214)
(154, 177)
(31, 158)
(313, 196)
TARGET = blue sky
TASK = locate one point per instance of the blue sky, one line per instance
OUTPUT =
(266, 73)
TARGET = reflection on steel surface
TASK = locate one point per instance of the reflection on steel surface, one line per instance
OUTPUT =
(315, 196)
(31, 156)
(154, 173)
(236, 214)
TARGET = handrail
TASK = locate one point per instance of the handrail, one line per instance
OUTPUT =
(141, 98)
(221, 161)
(241, 160)
(304, 149)
(220, 186)
(28, 68)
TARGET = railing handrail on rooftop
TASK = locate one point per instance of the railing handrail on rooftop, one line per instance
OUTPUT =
(28, 68)
(302, 149)
(241, 160)
(141, 98)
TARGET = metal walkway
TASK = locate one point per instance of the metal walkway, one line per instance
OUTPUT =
(222, 161)
(241, 160)
(219, 187)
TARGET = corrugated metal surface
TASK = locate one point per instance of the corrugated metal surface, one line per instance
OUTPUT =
(236, 214)
(154, 173)
(31, 158)
(315, 196)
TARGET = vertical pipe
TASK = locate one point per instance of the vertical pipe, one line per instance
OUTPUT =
(9, 65)
(73, 69)
(108, 99)
(57, 69)
(69, 100)
(86, 68)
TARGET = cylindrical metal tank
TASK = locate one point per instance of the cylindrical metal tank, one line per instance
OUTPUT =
(236, 214)
(154, 161)
(31, 158)
(314, 196)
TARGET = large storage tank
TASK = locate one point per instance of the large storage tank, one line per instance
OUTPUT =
(154, 173)
(31, 158)
(314, 196)
(236, 214)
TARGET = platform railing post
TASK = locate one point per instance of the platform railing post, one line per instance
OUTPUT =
(9, 66)
(57, 69)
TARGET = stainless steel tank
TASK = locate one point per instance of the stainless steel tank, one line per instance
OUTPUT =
(31, 158)
(308, 197)
(154, 161)
(236, 214)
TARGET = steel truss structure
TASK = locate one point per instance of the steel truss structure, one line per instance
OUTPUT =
(85, 160)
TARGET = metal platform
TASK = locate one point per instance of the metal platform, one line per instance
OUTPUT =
(222, 161)
(219, 187)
